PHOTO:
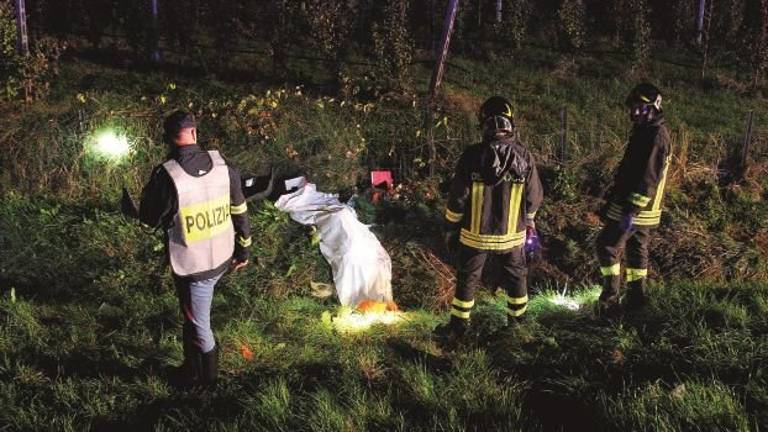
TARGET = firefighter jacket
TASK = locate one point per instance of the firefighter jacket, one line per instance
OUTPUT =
(638, 186)
(186, 197)
(495, 190)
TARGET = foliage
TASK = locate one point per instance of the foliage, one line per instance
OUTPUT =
(635, 30)
(392, 44)
(572, 18)
(517, 14)
(28, 75)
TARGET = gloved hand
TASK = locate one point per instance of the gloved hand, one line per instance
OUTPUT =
(627, 222)
(451, 241)
(628, 213)
(532, 243)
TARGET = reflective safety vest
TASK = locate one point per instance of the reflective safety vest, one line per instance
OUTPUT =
(202, 236)
(650, 215)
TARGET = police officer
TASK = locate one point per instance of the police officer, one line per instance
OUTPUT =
(494, 195)
(196, 197)
(634, 202)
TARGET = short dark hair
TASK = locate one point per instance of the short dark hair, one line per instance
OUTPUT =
(175, 122)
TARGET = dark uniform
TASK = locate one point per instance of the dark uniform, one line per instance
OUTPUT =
(494, 196)
(202, 236)
(634, 202)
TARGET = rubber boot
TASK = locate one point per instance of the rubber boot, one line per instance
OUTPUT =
(636, 297)
(454, 329)
(209, 371)
(608, 303)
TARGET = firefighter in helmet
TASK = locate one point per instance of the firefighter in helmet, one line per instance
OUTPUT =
(633, 208)
(196, 197)
(494, 195)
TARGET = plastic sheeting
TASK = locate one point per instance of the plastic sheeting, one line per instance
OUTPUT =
(362, 269)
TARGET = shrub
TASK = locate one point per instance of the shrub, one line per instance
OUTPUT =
(392, 44)
(31, 73)
(572, 17)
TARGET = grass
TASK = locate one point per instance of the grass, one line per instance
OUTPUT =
(89, 323)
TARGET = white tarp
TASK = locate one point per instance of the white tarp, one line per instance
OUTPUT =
(361, 267)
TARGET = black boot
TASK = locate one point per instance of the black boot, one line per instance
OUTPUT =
(608, 303)
(209, 372)
(454, 329)
(636, 297)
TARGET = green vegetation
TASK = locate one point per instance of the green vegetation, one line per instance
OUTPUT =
(89, 321)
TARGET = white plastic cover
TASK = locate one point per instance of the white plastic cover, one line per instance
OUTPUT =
(362, 269)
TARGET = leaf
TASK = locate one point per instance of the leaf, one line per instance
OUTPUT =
(321, 290)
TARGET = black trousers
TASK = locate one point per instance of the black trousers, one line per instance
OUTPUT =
(514, 275)
(611, 244)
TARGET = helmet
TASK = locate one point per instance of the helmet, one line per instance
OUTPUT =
(496, 114)
(644, 101)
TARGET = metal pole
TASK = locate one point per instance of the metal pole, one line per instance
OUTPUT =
(437, 73)
(155, 33)
(745, 146)
(437, 77)
(700, 21)
(21, 25)
(563, 135)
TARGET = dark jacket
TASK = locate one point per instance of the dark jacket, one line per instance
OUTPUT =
(159, 201)
(638, 186)
(495, 190)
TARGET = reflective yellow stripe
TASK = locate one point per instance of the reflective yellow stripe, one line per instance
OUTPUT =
(662, 184)
(453, 217)
(491, 242)
(460, 314)
(634, 274)
(244, 242)
(515, 196)
(613, 270)
(639, 200)
(478, 189)
(517, 312)
(462, 303)
(238, 209)
(517, 300)
(530, 215)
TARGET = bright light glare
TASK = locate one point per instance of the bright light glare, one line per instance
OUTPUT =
(111, 145)
(565, 302)
(353, 322)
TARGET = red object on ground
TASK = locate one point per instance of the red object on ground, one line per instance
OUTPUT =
(246, 352)
(382, 176)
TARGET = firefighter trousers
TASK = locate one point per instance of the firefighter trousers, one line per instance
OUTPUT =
(611, 243)
(514, 275)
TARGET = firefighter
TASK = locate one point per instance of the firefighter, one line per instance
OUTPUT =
(196, 197)
(633, 208)
(494, 195)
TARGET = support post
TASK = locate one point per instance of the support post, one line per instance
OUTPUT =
(700, 21)
(21, 26)
(437, 77)
(744, 154)
(155, 56)
(563, 135)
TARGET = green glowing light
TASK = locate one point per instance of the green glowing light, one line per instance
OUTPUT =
(111, 145)
(351, 321)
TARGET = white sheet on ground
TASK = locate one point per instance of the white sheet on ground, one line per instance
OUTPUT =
(362, 269)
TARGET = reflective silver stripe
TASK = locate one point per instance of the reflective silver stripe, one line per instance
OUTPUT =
(238, 209)
(202, 237)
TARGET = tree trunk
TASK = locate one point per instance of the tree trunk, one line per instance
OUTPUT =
(499, 11)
